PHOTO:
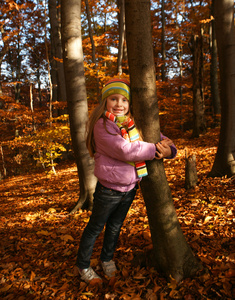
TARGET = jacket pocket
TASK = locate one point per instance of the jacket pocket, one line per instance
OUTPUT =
(114, 171)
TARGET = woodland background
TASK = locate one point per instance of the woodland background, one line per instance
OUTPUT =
(39, 184)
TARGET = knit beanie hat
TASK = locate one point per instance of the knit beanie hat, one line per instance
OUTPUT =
(117, 86)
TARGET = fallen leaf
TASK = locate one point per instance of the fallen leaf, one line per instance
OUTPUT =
(32, 276)
(43, 232)
(66, 238)
(207, 219)
(173, 283)
(5, 288)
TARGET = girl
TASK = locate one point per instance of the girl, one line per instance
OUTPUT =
(120, 157)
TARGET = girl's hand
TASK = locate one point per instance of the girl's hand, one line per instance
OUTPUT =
(163, 149)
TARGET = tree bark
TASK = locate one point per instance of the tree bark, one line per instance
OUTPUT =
(92, 45)
(214, 69)
(163, 48)
(122, 31)
(3, 51)
(224, 163)
(180, 64)
(199, 125)
(56, 53)
(90, 31)
(172, 255)
(77, 98)
(18, 70)
(191, 178)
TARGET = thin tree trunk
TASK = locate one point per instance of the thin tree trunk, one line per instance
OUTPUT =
(39, 87)
(163, 50)
(92, 45)
(3, 52)
(214, 70)
(18, 68)
(198, 90)
(180, 55)
(3, 162)
(56, 51)
(33, 123)
(90, 31)
(172, 255)
(122, 30)
(77, 98)
(31, 106)
(50, 87)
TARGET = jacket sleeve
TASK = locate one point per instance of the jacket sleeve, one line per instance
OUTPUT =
(110, 143)
(173, 147)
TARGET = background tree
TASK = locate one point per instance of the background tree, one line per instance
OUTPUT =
(77, 97)
(199, 125)
(163, 43)
(90, 32)
(172, 255)
(224, 163)
(214, 68)
(4, 37)
(94, 64)
(36, 50)
(57, 69)
(122, 34)
(179, 56)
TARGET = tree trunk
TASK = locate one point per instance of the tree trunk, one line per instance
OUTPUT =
(172, 255)
(180, 64)
(18, 70)
(199, 125)
(3, 163)
(122, 30)
(90, 31)
(56, 53)
(92, 45)
(163, 49)
(77, 98)
(39, 87)
(3, 52)
(224, 163)
(214, 70)
(191, 178)
(50, 86)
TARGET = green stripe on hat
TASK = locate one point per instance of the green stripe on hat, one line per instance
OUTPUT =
(116, 87)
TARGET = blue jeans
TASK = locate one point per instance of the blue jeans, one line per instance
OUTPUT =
(110, 207)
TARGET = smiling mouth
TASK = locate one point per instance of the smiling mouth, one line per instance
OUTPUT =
(118, 110)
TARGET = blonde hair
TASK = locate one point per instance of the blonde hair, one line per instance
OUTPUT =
(95, 116)
(97, 113)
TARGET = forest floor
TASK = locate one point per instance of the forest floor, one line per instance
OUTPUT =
(39, 238)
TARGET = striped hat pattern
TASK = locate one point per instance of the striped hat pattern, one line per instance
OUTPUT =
(117, 86)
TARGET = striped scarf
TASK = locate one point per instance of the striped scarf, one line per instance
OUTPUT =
(130, 133)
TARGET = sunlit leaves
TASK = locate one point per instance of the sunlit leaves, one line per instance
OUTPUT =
(39, 137)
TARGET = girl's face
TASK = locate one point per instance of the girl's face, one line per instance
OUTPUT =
(117, 104)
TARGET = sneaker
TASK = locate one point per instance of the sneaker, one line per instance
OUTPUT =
(90, 276)
(109, 268)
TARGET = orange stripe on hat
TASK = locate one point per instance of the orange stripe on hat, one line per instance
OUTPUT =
(116, 86)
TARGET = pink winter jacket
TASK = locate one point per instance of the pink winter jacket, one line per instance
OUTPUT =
(112, 154)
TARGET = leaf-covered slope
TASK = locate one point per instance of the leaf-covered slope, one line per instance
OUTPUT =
(39, 239)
